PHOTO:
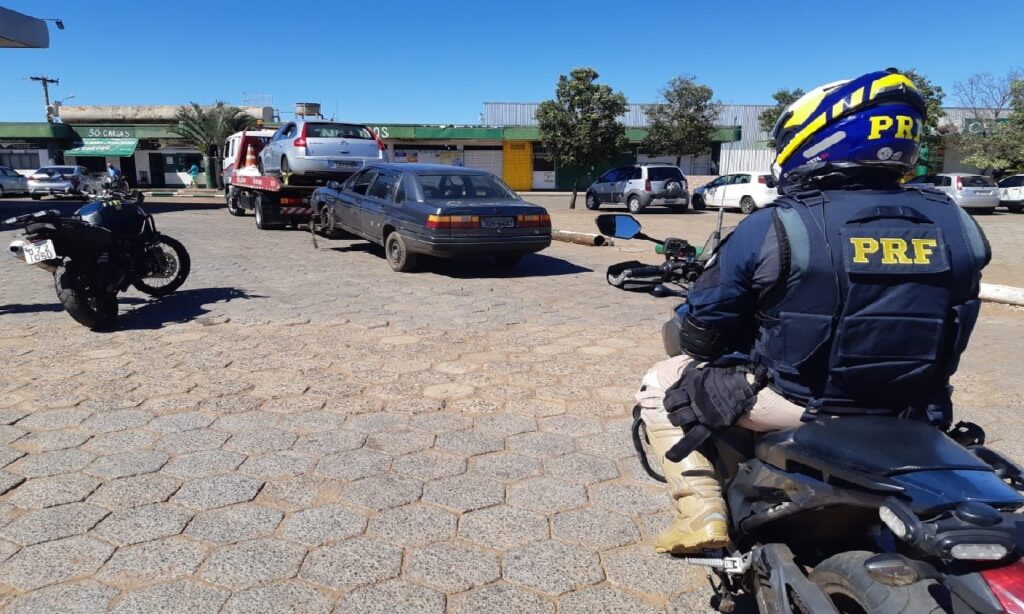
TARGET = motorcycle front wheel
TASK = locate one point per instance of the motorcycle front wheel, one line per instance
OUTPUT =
(168, 270)
(843, 578)
(92, 308)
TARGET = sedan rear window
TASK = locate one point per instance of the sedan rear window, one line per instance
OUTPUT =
(464, 187)
(337, 131)
(978, 181)
(663, 173)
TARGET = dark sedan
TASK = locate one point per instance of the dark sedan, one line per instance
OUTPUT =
(435, 210)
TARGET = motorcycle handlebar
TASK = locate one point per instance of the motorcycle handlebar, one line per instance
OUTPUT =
(645, 271)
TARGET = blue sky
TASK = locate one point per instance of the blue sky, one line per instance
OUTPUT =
(437, 61)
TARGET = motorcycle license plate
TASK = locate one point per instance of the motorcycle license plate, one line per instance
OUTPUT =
(39, 251)
(497, 222)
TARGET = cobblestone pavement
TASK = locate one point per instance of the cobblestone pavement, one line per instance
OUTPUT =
(304, 430)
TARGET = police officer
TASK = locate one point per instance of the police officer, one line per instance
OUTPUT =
(848, 295)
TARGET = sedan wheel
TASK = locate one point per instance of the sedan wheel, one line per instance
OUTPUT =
(634, 205)
(398, 255)
(698, 203)
(747, 205)
(591, 202)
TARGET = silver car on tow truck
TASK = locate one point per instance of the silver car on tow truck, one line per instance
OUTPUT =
(320, 147)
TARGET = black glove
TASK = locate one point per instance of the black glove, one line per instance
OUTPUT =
(708, 398)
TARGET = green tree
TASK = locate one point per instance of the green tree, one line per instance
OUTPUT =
(934, 134)
(581, 127)
(999, 148)
(206, 129)
(684, 124)
(783, 98)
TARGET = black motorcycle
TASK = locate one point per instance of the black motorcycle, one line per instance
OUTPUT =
(864, 513)
(106, 246)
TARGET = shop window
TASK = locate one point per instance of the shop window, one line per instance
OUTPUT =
(20, 160)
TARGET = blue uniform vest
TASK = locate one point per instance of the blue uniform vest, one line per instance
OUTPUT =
(876, 299)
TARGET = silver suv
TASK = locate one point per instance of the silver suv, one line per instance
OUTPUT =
(640, 186)
(320, 147)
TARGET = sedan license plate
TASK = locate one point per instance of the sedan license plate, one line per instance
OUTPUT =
(39, 251)
(344, 164)
(497, 222)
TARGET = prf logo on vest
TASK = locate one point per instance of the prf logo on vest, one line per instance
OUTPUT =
(894, 250)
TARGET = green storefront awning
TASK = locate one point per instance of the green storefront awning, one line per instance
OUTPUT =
(115, 148)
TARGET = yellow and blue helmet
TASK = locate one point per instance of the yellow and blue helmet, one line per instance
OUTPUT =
(873, 121)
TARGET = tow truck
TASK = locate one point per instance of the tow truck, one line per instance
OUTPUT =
(276, 201)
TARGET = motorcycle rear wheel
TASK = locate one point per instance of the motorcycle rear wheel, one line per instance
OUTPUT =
(88, 308)
(843, 578)
(175, 269)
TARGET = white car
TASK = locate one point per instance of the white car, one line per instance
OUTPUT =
(748, 190)
(1011, 193)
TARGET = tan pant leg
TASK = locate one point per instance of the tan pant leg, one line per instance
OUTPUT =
(771, 412)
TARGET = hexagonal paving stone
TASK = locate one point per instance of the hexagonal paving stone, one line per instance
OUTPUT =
(440, 423)
(107, 422)
(596, 528)
(52, 562)
(313, 422)
(53, 419)
(581, 468)
(144, 523)
(162, 559)
(195, 440)
(353, 563)
(542, 445)
(470, 442)
(553, 567)
(535, 407)
(630, 498)
(182, 596)
(415, 525)
(184, 421)
(127, 464)
(354, 464)
(329, 442)
(464, 493)
(50, 463)
(430, 464)
(400, 442)
(609, 601)
(135, 491)
(203, 464)
(79, 598)
(120, 441)
(323, 524)
(252, 563)
(639, 568)
(297, 492)
(53, 523)
(8, 481)
(377, 421)
(571, 425)
(53, 490)
(8, 455)
(381, 492)
(217, 491)
(393, 596)
(276, 465)
(506, 424)
(607, 445)
(452, 567)
(284, 597)
(232, 524)
(546, 495)
(44, 441)
(256, 442)
(247, 422)
(506, 466)
(500, 598)
(502, 527)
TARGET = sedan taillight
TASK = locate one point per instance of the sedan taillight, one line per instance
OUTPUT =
(959, 183)
(301, 141)
(542, 220)
(452, 222)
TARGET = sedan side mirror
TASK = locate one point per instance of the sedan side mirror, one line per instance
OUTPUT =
(618, 225)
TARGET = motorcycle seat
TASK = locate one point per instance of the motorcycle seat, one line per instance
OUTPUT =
(875, 445)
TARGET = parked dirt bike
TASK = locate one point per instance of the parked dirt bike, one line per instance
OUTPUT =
(683, 263)
(857, 513)
(106, 246)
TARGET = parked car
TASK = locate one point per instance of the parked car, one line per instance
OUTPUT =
(749, 191)
(12, 182)
(64, 181)
(640, 186)
(1011, 193)
(319, 147)
(231, 150)
(437, 210)
(970, 191)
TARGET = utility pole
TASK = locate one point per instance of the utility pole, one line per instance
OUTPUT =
(46, 81)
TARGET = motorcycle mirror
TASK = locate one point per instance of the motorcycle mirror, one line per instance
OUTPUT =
(618, 225)
(661, 291)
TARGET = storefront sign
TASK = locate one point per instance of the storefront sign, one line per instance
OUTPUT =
(117, 132)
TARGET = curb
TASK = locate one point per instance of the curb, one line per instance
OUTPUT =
(182, 194)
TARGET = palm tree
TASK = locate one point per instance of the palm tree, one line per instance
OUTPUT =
(206, 129)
